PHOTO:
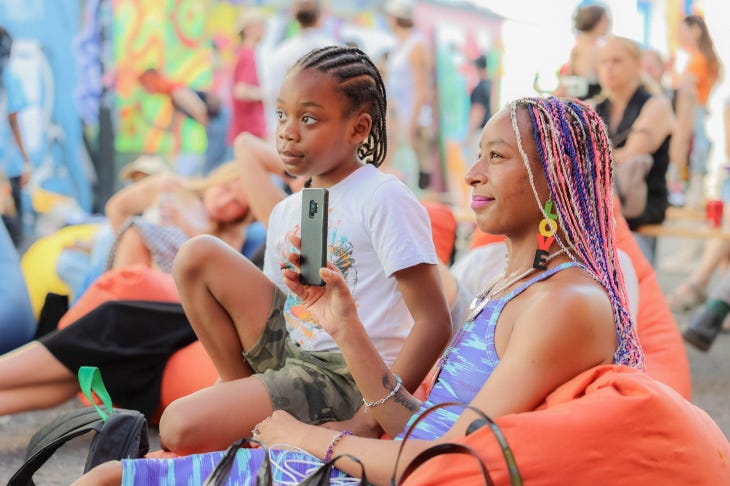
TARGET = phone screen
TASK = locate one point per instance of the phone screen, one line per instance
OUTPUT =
(314, 235)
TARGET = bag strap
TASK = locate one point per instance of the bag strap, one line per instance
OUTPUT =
(219, 476)
(50, 437)
(447, 448)
(90, 381)
(514, 472)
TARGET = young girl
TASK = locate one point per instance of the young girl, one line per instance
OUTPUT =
(331, 127)
(559, 309)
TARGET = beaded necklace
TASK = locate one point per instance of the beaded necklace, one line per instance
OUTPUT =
(478, 304)
(481, 300)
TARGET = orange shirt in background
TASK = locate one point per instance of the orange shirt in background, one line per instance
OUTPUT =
(699, 67)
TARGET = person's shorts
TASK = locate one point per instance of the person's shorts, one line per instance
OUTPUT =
(313, 386)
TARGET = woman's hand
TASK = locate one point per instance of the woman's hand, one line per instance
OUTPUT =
(332, 304)
(281, 429)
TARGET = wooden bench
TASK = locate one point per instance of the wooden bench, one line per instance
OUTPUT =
(684, 223)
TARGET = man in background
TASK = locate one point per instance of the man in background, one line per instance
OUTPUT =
(311, 36)
(481, 107)
(14, 161)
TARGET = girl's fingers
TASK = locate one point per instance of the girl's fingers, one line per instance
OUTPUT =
(296, 241)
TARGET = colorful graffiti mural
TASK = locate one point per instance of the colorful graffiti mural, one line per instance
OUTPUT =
(168, 35)
(458, 35)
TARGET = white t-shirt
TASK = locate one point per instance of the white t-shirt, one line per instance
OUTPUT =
(376, 228)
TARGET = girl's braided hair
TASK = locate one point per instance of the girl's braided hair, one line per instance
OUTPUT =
(361, 82)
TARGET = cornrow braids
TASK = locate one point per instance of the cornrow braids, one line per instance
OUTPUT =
(361, 82)
(576, 157)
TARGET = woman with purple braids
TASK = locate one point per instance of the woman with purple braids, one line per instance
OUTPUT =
(543, 179)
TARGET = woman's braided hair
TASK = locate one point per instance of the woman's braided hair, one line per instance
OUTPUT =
(361, 82)
(576, 157)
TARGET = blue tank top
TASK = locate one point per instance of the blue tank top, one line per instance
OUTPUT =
(468, 362)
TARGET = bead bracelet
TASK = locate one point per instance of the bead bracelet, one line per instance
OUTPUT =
(335, 440)
(390, 395)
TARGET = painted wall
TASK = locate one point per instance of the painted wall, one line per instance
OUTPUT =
(43, 31)
(169, 35)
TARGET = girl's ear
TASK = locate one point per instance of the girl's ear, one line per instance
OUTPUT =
(361, 125)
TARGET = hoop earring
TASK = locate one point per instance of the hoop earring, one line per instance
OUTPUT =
(545, 236)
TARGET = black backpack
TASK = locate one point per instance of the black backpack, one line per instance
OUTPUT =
(120, 433)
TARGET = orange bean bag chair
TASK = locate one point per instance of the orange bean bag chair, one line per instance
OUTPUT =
(443, 229)
(664, 352)
(189, 368)
(136, 282)
(187, 371)
(609, 425)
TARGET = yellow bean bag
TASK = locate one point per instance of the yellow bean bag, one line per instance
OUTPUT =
(39, 262)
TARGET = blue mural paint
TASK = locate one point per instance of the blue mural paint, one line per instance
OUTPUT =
(46, 29)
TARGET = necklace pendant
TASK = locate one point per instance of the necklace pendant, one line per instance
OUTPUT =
(476, 307)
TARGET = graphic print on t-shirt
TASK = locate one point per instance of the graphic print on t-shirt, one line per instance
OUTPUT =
(300, 322)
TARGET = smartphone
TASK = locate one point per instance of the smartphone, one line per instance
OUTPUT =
(315, 202)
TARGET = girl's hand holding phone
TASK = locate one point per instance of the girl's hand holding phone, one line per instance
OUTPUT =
(332, 304)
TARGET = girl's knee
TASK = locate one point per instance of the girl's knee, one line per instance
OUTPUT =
(193, 254)
(178, 428)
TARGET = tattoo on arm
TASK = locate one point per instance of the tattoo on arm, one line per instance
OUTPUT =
(408, 402)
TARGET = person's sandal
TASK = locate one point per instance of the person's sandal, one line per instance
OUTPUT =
(686, 297)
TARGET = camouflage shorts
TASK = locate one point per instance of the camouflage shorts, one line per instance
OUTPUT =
(313, 386)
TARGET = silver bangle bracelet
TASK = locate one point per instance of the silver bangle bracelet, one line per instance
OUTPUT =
(390, 395)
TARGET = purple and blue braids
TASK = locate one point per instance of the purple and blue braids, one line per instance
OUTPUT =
(576, 157)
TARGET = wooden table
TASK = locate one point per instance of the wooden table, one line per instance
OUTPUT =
(684, 223)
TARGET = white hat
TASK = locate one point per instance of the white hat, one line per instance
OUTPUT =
(144, 164)
(401, 9)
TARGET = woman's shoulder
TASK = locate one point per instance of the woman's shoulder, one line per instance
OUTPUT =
(571, 307)
(656, 112)
(571, 293)
(659, 101)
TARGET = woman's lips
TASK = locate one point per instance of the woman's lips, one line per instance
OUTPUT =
(479, 201)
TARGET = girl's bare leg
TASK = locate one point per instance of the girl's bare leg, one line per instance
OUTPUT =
(131, 250)
(227, 301)
(32, 378)
(214, 417)
(692, 291)
(107, 474)
(226, 298)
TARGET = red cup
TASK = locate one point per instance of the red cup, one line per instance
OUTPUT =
(714, 212)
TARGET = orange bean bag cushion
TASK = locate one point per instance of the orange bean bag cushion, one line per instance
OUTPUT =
(443, 229)
(664, 352)
(188, 370)
(136, 282)
(479, 238)
(609, 425)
